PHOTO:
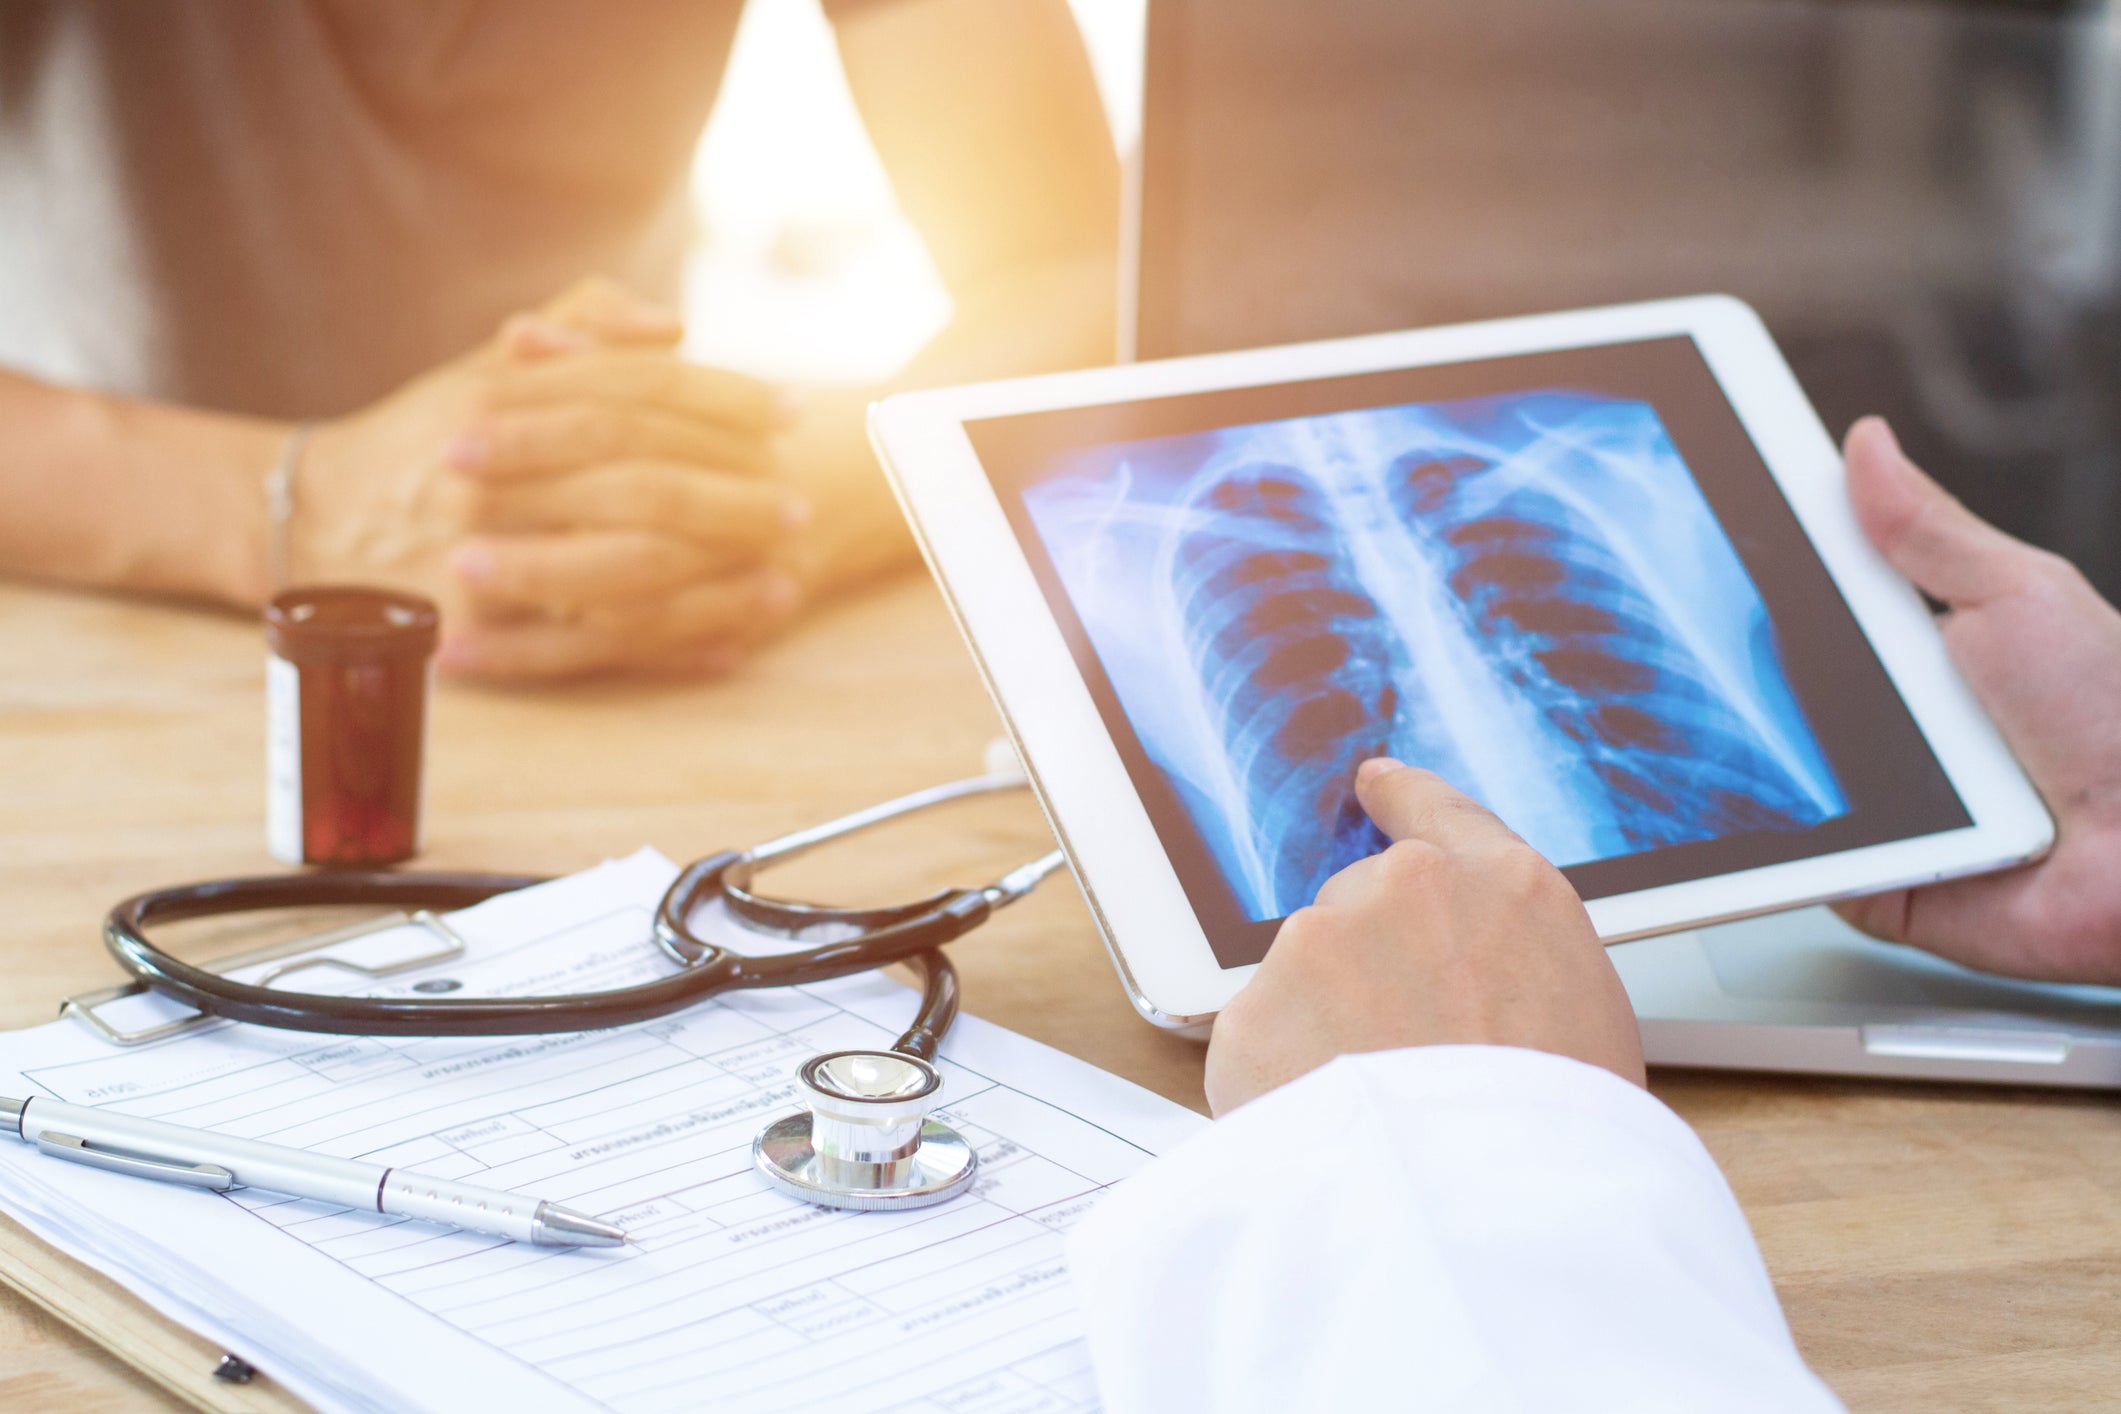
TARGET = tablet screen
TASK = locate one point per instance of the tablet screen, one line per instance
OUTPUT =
(1564, 581)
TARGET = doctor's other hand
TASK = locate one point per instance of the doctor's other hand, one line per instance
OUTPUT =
(1459, 933)
(2042, 651)
(576, 497)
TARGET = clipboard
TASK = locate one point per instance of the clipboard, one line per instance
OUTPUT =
(178, 1360)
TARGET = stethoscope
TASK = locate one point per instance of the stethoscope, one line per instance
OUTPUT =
(865, 1138)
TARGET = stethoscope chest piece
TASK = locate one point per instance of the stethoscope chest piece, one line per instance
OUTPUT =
(866, 1140)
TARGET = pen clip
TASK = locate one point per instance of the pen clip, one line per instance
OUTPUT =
(66, 1146)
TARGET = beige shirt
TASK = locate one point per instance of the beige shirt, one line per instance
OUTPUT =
(288, 207)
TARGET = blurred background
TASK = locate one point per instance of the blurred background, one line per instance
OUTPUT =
(804, 268)
(1922, 197)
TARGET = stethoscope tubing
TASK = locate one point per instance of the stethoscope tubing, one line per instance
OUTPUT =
(909, 932)
(719, 970)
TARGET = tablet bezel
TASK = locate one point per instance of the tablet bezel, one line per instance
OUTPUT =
(1155, 940)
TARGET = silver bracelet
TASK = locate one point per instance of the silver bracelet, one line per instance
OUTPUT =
(280, 504)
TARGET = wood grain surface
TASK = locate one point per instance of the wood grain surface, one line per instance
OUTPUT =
(1936, 1247)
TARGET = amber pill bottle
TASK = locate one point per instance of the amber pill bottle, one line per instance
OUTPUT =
(346, 688)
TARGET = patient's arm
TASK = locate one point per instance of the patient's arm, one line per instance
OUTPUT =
(2042, 651)
(110, 491)
(987, 118)
(574, 495)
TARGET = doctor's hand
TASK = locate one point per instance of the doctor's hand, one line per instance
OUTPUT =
(576, 497)
(2042, 652)
(1459, 933)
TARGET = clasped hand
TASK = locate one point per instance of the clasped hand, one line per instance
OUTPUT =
(575, 496)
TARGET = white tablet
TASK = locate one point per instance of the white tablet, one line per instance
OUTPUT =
(1598, 569)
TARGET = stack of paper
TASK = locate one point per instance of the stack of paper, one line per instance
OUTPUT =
(733, 1297)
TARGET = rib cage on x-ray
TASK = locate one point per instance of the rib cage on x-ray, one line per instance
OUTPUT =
(1295, 659)
(1526, 594)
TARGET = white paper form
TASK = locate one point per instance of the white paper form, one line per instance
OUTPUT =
(734, 1297)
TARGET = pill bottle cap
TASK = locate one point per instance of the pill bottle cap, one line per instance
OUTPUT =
(346, 623)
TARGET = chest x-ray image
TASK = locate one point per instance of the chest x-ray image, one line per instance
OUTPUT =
(1526, 593)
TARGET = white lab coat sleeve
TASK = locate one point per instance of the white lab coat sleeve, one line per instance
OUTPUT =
(1444, 1228)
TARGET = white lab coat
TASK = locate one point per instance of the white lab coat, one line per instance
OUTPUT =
(1446, 1228)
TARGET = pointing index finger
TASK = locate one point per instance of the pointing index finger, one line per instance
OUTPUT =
(1408, 803)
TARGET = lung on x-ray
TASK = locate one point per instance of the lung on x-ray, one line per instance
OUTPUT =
(1527, 594)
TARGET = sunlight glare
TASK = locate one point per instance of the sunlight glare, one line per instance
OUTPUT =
(805, 270)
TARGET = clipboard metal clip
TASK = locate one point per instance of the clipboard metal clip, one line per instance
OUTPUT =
(300, 954)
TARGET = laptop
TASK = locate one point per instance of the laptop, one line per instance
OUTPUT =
(1922, 197)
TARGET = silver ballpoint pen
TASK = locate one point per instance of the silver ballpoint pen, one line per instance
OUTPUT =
(199, 1158)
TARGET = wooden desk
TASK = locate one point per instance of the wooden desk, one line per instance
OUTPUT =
(1936, 1247)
